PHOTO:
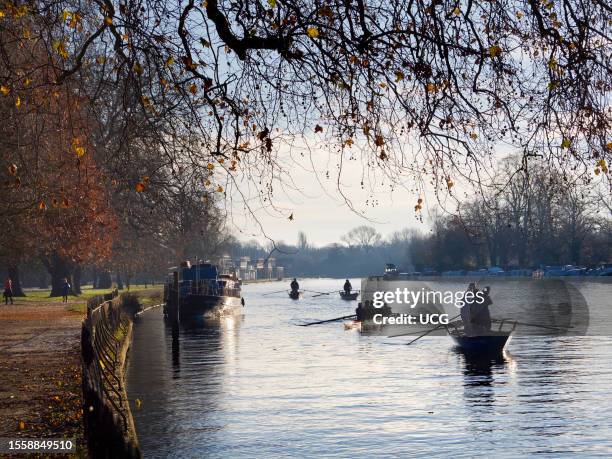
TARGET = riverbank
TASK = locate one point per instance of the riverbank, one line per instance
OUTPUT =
(260, 281)
(40, 369)
(40, 364)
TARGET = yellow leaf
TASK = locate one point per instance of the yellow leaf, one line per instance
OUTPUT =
(80, 151)
(12, 169)
(272, 3)
(609, 146)
(520, 14)
(349, 142)
(42, 205)
(4, 90)
(399, 75)
(21, 425)
(494, 51)
(18, 102)
(193, 89)
(66, 15)
(210, 166)
(431, 87)
(312, 32)
(138, 68)
(220, 189)
(566, 143)
(108, 20)
(140, 187)
(169, 61)
(449, 183)
(473, 136)
(138, 403)
(60, 49)
(457, 12)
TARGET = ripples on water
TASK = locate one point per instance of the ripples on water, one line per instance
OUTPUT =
(260, 386)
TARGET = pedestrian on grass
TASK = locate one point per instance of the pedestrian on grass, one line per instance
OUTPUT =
(8, 290)
(65, 290)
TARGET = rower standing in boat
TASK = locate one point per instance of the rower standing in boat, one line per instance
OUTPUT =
(481, 316)
(294, 285)
(475, 312)
(347, 287)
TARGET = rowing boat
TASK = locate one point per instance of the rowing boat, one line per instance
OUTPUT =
(348, 296)
(493, 342)
(295, 294)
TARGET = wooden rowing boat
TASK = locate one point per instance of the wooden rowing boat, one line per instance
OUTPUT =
(352, 296)
(491, 343)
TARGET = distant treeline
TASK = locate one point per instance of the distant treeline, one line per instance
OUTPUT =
(535, 220)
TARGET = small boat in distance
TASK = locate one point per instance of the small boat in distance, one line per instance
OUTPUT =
(202, 291)
(349, 296)
(295, 294)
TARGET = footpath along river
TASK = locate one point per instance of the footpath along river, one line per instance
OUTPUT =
(261, 386)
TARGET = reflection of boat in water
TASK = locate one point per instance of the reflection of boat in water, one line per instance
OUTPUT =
(295, 294)
(200, 290)
(490, 343)
(349, 296)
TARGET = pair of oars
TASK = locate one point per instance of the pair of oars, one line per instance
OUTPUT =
(446, 325)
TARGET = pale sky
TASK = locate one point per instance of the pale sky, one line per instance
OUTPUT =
(320, 211)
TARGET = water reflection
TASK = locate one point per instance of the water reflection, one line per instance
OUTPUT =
(264, 387)
(210, 336)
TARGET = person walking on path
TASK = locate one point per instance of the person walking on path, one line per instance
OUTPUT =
(65, 290)
(8, 290)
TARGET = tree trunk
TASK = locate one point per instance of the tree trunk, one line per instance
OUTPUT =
(119, 282)
(95, 278)
(13, 273)
(43, 282)
(59, 269)
(76, 280)
(104, 280)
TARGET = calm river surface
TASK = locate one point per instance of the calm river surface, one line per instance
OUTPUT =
(260, 386)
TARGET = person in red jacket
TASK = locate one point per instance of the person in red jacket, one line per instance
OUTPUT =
(8, 290)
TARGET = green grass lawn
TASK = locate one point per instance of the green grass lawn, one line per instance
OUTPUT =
(42, 295)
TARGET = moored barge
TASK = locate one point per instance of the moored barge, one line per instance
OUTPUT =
(199, 290)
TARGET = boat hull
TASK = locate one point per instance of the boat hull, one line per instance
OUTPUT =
(209, 306)
(349, 296)
(493, 344)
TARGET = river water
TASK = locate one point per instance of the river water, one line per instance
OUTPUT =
(261, 386)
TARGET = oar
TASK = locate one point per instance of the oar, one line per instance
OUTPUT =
(427, 332)
(314, 291)
(548, 327)
(270, 293)
(325, 293)
(328, 320)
